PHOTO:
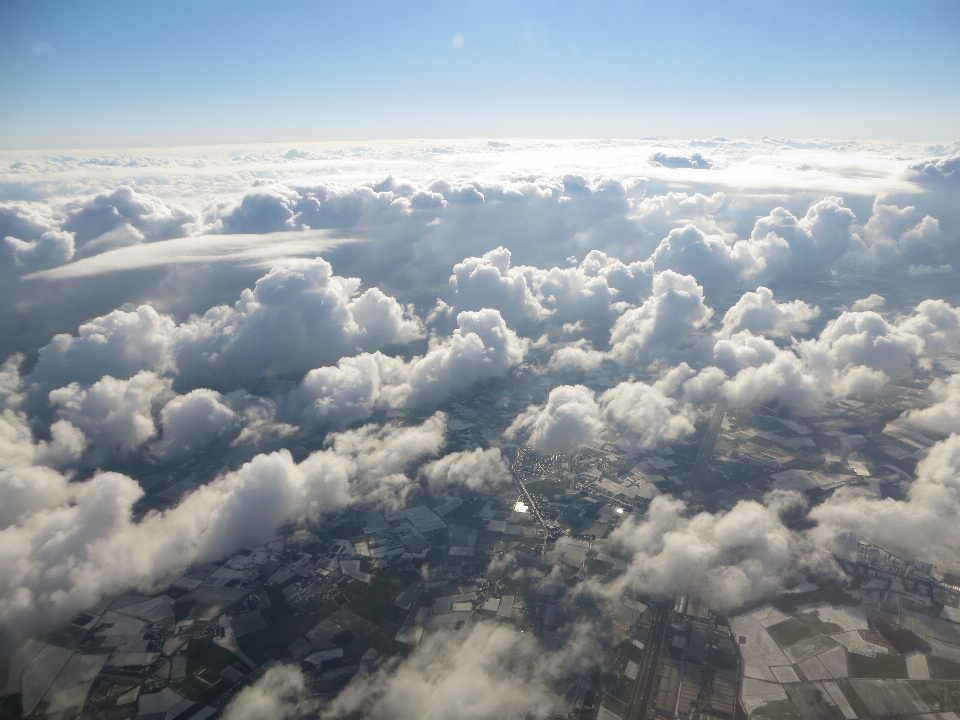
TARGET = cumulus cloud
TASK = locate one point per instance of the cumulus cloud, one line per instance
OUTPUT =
(38, 236)
(871, 302)
(194, 421)
(750, 552)
(463, 674)
(815, 241)
(482, 347)
(273, 206)
(759, 313)
(943, 416)
(18, 446)
(762, 372)
(144, 218)
(483, 671)
(714, 261)
(780, 245)
(342, 394)
(489, 281)
(859, 352)
(116, 415)
(936, 323)
(83, 542)
(52, 248)
(646, 415)
(592, 293)
(569, 419)
(696, 161)
(856, 354)
(894, 237)
(296, 317)
(119, 344)
(280, 693)
(929, 518)
(25, 221)
(480, 470)
(943, 171)
(663, 323)
(731, 557)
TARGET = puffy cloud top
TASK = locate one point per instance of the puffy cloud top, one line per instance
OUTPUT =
(674, 310)
(482, 347)
(761, 315)
(296, 317)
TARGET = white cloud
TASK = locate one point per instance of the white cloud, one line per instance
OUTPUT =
(480, 470)
(920, 526)
(117, 415)
(778, 375)
(52, 248)
(943, 416)
(147, 218)
(296, 317)
(859, 352)
(65, 555)
(731, 557)
(281, 693)
(482, 347)
(119, 344)
(871, 302)
(18, 447)
(759, 313)
(194, 421)
(646, 415)
(457, 675)
(695, 161)
(663, 323)
(592, 293)
(939, 172)
(569, 419)
(816, 240)
(710, 258)
(341, 394)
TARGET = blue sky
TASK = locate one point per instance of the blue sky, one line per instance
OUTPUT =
(177, 72)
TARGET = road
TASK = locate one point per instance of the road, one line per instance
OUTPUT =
(706, 447)
(532, 504)
(650, 664)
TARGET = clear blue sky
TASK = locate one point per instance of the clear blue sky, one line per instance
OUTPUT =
(182, 72)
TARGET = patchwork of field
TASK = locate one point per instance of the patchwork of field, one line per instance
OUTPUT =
(825, 662)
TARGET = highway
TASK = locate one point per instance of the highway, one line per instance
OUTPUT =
(532, 504)
(650, 664)
(706, 447)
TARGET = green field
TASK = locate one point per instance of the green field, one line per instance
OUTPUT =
(776, 710)
(943, 669)
(809, 701)
(789, 632)
(942, 695)
(882, 666)
(813, 621)
(375, 601)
